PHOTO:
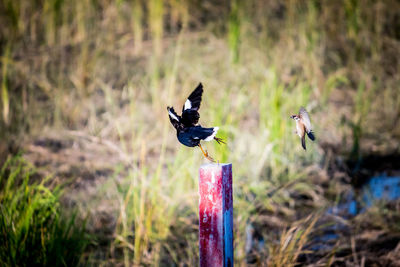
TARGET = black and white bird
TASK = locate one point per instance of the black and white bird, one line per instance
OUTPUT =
(188, 131)
(303, 126)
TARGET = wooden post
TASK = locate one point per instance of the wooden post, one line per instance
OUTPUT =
(215, 215)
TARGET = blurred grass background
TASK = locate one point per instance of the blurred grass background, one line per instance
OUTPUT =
(84, 90)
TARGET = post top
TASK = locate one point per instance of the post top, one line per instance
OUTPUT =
(214, 165)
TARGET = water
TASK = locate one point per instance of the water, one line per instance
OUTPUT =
(381, 188)
(378, 188)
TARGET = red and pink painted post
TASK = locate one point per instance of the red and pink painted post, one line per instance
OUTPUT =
(215, 215)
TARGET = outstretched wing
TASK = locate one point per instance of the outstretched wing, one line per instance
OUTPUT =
(173, 117)
(194, 100)
(305, 118)
(190, 114)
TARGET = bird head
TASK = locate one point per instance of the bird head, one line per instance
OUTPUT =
(295, 117)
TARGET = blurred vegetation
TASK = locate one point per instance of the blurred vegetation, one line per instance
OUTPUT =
(106, 70)
(33, 230)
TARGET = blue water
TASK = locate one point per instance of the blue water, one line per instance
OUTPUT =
(381, 188)
(378, 188)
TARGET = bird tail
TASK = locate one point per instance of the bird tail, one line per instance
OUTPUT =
(206, 134)
(212, 135)
(311, 135)
(303, 142)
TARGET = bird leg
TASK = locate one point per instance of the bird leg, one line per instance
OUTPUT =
(219, 140)
(206, 154)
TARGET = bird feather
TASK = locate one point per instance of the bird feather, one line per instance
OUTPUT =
(194, 99)
(305, 118)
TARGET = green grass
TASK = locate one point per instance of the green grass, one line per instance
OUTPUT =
(34, 232)
(234, 30)
(4, 88)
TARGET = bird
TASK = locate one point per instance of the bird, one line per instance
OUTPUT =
(188, 131)
(303, 126)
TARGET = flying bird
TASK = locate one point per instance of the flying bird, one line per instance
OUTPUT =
(188, 131)
(303, 126)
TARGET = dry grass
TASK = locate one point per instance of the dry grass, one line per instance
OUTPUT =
(292, 242)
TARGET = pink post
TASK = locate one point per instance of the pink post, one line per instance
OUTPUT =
(215, 212)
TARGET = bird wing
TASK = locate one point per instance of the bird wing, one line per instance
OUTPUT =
(190, 114)
(305, 118)
(303, 142)
(173, 117)
(172, 114)
(194, 99)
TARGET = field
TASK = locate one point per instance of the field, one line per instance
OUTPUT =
(91, 171)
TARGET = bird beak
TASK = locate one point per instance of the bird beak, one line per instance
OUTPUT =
(292, 117)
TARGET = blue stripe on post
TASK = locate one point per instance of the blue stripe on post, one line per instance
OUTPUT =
(228, 215)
